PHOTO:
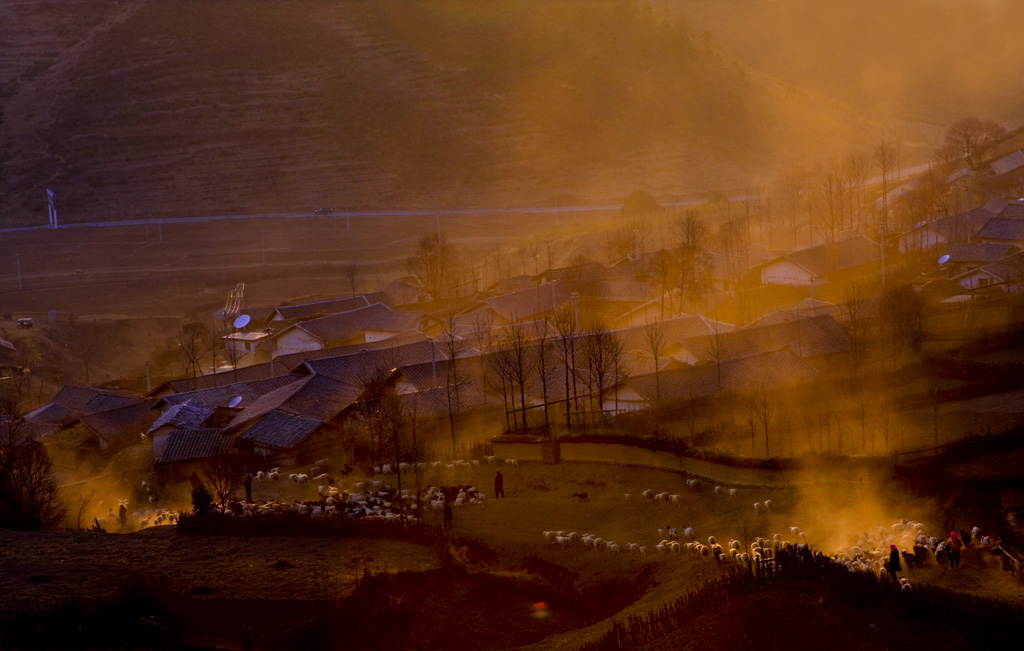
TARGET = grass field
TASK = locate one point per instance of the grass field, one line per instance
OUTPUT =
(500, 537)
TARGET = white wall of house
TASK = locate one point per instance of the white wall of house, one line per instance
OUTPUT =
(784, 272)
(977, 279)
(628, 400)
(295, 340)
(160, 438)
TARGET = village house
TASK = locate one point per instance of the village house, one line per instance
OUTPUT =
(364, 325)
(774, 369)
(816, 264)
(961, 227)
(189, 450)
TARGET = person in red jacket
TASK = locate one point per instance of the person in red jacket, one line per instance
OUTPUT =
(954, 545)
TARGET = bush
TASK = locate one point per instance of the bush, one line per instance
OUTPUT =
(202, 501)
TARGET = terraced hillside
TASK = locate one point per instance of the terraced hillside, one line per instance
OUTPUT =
(130, 108)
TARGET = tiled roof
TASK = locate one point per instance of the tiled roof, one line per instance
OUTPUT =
(76, 397)
(822, 259)
(960, 252)
(222, 395)
(106, 402)
(377, 317)
(294, 360)
(623, 290)
(280, 431)
(772, 369)
(1008, 163)
(1003, 229)
(305, 311)
(52, 413)
(529, 302)
(805, 337)
(314, 396)
(1013, 210)
(184, 415)
(434, 402)
(1009, 269)
(195, 444)
(352, 369)
(676, 330)
(244, 374)
(958, 227)
(113, 422)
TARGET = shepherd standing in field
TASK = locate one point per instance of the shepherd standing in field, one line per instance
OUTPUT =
(953, 544)
(499, 485)
(248, 487)
(447, 515)
(893, 566)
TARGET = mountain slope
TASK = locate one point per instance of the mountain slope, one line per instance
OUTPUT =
(198, 107)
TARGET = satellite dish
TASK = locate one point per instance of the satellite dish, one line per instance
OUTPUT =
(237, 400)
(944, 259)
(242, 320)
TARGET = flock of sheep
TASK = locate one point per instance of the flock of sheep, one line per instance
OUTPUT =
(868, 553)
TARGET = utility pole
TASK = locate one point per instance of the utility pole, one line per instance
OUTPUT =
(263, 248)
(17, 258)
(148, 385)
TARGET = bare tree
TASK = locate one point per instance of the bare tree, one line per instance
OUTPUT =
(600, 353)
(483, 335)
(791, 187)
(973, 136)
(764, 411)
(83, 505)
(87, 342)
(351, 271)
(453, 346)
(654, 337)
(192, 339)
(540, 339)
(853, 304)
(903, 309)
(885, 158)
(225, 474)
(433, 264)
(567, 331)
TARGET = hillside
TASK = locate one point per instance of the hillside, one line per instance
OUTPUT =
(918, 61)
(128, 108)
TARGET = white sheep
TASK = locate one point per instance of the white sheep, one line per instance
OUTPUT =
(768, 505)
(688, 532)
(274, 475)
(675, 499)
(661, 497)
(757, 506)
(647, 494)
(641, 551)
(718, 490)
(489, 459)
(733, 492)
(629, 498)
(512, 462)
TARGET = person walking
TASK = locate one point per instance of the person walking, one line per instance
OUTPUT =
(248, 487)
(893, 566)
(447, 515)
(499, 485)
(954, 545)
(122, 514)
